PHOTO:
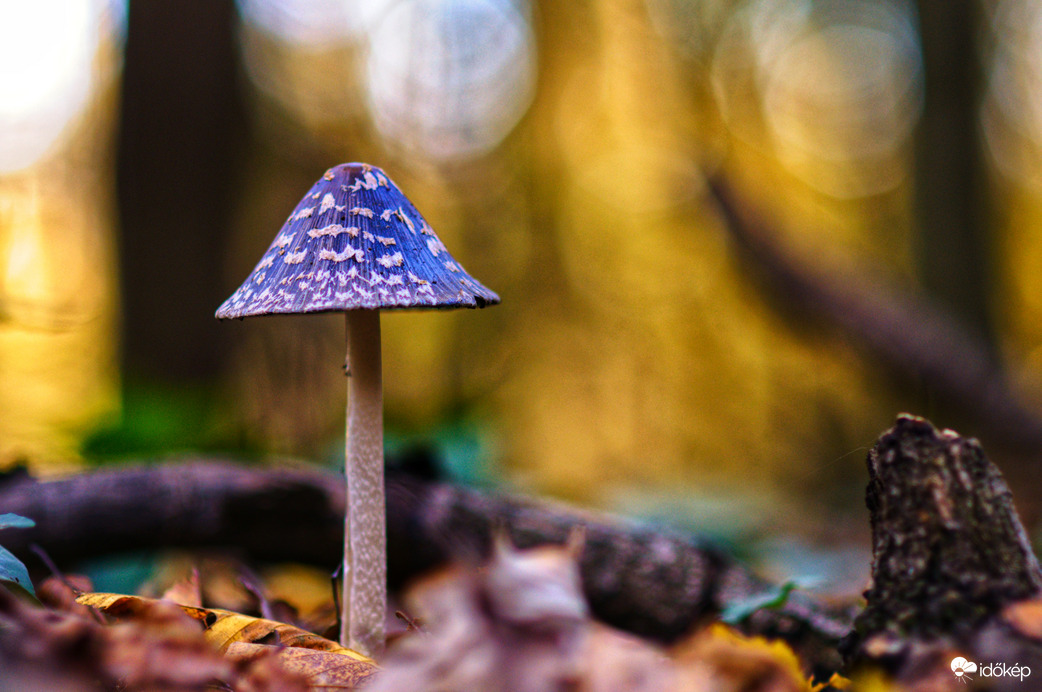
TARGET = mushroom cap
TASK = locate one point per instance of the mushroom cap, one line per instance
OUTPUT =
(355, 242)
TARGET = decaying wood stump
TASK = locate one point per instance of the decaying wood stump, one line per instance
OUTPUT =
(953, 572)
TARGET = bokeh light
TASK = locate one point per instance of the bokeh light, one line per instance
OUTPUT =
(440, 80)
(304, 57)
(448, 79)
(1011, 122)
(47, 50)
(837, 84)
(312, 23)
(59, 60)
(1012, 109)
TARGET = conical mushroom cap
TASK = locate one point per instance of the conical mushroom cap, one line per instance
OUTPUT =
(355, 242)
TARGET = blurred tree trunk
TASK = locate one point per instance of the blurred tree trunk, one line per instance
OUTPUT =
(954, 254)
(178, 137)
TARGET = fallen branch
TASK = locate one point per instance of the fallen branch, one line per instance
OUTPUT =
(651, 582)
(911, 335)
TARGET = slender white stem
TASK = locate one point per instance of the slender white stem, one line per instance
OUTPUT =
(365, 530)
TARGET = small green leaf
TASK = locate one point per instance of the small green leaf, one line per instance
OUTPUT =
(14, 521)
(13, 572)
(741, 609)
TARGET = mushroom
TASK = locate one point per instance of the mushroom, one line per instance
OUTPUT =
(356, 244)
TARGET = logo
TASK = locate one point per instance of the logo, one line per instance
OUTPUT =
(964, 670)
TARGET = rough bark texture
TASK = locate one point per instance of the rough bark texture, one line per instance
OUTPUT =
(948, 547)
(953, 572)
(642, 579)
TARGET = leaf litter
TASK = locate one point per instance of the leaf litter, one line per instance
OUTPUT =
(515, 623)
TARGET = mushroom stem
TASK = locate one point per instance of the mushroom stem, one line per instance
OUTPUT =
(365, 543)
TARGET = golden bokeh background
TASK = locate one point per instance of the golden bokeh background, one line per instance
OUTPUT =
(560, 149)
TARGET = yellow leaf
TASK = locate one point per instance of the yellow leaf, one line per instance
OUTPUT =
(230, 627)
(836, 682)
(741, 660)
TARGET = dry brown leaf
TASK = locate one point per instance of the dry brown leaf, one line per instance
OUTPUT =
(265, 673)
(517, 624)
(60, 593)
(41, 649)
(322, 670)
(520, 624)
(323, 663)
(160, 649)
(223, 627)
(618, 662)
(210, 581)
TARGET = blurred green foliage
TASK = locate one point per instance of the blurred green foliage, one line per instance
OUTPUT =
(157, 419)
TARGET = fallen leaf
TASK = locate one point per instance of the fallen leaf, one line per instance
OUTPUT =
(613, 661)
(60, 593)
(159, 649)
(227, 628)
(743, 663)
(836, 682)
(518, 623)
(323, 663)
(306, 588)
(323, 670)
